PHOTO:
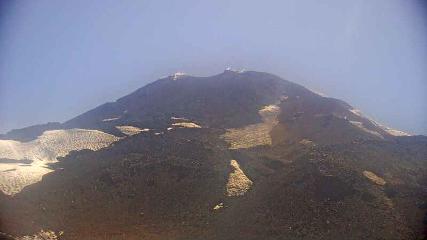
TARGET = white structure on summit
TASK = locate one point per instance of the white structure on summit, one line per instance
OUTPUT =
(178, 75)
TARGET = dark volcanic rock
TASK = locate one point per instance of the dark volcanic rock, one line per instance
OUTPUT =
(308, 182)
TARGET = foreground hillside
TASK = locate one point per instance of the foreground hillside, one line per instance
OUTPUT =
(239, 155)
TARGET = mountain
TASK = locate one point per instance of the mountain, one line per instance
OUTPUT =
(30, 133)
(238, 155)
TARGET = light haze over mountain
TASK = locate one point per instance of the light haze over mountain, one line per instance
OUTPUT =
(60, 59)
(237, 155)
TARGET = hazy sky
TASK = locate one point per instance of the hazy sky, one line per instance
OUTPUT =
(61, 58)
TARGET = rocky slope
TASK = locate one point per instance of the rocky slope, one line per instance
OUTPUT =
(238, 155)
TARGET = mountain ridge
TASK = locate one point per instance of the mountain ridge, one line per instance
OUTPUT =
(238, 155)
(116, 108)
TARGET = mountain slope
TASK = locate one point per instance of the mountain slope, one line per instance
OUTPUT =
(238, 155)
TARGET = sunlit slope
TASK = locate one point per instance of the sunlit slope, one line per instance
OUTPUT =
(24, 163)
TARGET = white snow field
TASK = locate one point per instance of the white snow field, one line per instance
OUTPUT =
(131, 130)
(362, 127)
(390, 131)
(374, 178)
(25, 163)
(111, 119)
(42, 235)
(238, 183)
(254, 134)
(186, 125)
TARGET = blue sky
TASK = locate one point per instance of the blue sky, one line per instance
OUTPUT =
(61, 58)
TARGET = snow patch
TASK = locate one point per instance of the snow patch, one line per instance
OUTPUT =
(317, 92)
(42, 151)
(179, 118)
(42, 235)
(374, 178)
(131, 130)
(306, 142)
(395, 132)
(254, 134)
(360, 126)
(186, 125)
(238, 183)
(357, 112)
(269, 113)
(390, 131)
(110, 119)
(178, 75)
(218, 206)
(230, 69)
